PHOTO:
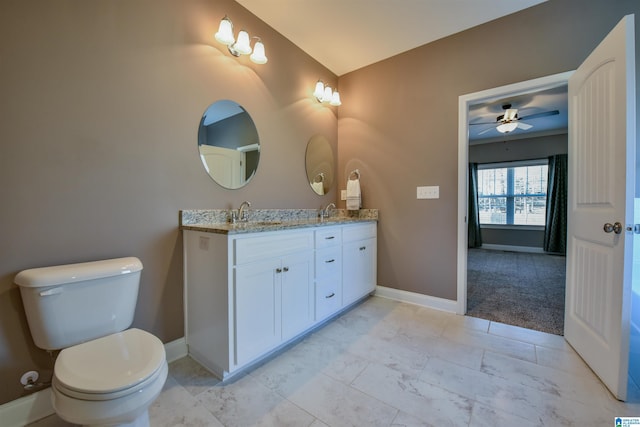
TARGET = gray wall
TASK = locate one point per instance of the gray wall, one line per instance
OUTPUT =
(100, 106)
(511, 150)
(399, 125)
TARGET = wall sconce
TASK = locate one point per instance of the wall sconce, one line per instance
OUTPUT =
(242, 46)
(324, 94)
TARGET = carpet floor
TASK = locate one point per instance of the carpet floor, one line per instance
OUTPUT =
(517, 288)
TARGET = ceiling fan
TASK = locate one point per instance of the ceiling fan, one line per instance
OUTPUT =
(509, 121)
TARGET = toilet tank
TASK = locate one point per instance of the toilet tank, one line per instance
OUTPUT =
(70, 304)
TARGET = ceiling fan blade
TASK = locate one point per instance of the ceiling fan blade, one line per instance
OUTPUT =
(538, 115)
(483, 123)
(524, 126)
(486, 130)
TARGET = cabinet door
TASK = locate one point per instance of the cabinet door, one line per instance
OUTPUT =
(257, 309)
(297, 293)
(358, 269)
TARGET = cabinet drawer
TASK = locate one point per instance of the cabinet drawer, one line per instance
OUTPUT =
(264, 246)
(328, 297)
(329, 236)
(352, 233)
(329, 261)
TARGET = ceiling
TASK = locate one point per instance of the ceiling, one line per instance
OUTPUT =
(527, 104)
(345, 35)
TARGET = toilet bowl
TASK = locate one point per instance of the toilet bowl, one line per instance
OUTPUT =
(109, 381)
(105, 374)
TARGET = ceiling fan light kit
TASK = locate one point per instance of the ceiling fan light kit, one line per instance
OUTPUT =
(506, 127)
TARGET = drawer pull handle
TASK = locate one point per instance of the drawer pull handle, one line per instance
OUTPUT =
(278, 270)
(330, 260)
(333, 294)
(330, 237)
(362, 248)
(285, 269)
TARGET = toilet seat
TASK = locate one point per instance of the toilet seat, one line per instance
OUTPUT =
(109, 367)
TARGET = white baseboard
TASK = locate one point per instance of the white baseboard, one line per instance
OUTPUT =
(176, 349)
(27, 409)
(31, 408)
(530, 249)
(418, 299)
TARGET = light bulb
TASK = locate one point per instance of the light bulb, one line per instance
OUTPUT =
(326, 97)
(335, 99)
(225, 32)
(319, 92)
(242, 45)
(258, 55)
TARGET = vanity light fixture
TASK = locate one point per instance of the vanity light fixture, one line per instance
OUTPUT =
(324, 94)
(242, 46)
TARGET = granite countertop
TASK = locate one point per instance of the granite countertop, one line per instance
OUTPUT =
(261, 220)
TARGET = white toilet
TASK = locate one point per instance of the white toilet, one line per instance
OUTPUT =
(106, 374)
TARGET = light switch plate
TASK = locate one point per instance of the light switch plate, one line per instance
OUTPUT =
(343, 194)
(428, 192)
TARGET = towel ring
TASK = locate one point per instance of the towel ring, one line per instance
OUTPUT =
(355, 172)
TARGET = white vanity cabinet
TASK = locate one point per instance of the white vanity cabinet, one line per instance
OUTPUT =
(246, 294)
(359, 254)
(273, 290)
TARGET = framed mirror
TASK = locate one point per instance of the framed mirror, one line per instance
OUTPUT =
(228, 144)
(319, 164)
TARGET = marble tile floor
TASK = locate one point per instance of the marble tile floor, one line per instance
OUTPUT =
(387, 363)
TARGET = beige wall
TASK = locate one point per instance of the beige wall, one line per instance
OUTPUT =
(100, 103)
(399, 125)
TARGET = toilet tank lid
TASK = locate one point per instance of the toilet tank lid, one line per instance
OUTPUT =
(70, 273)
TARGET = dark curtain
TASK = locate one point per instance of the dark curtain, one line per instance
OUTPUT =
(475, 235)
(555, 232)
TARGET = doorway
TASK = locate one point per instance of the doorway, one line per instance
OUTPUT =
(602, 94)
(515, 260)
(465, 102)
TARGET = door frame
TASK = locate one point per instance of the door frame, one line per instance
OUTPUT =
(464, 102)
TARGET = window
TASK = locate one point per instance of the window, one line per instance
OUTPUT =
(513, 194)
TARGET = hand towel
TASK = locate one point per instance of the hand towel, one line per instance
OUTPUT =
(354, 201)
(318, 187)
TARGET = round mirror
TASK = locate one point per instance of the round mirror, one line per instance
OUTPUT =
(319, 164)
(228, 143)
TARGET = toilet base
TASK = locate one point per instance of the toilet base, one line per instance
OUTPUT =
(141, 421)
(126, 411)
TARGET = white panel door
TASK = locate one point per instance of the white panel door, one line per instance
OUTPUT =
(257, 309)
(226, 166)
(601, 190)
(358, 270)
(297, 293)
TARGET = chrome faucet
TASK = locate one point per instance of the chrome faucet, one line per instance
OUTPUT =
(326, 212)
(243, 215)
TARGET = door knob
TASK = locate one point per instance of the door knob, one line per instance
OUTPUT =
(616, 228)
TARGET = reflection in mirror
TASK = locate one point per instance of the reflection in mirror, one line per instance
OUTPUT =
(228, 143)
(319, 164)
